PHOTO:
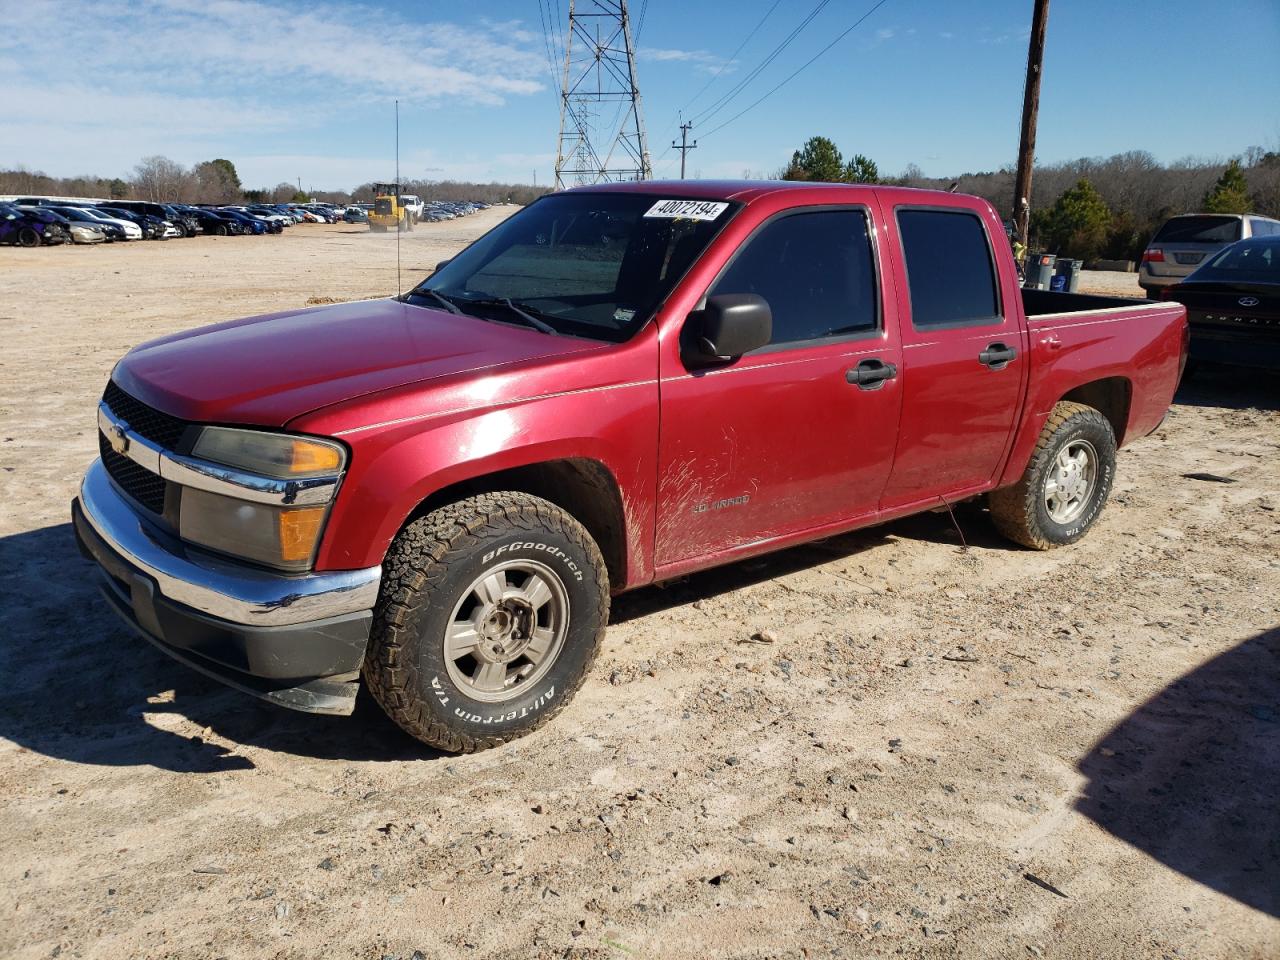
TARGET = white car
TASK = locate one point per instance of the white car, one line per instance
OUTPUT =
(131, 230)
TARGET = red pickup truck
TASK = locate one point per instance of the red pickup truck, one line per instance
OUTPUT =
(617, 385)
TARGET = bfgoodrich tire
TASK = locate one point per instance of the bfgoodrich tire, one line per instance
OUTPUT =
(490, 614)
(1066, 484)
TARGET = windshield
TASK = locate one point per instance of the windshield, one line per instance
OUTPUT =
(588, 264)
(1255, 261)
(1205, 229)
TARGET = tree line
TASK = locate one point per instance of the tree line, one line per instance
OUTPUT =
(1092, 207)
(160, 179)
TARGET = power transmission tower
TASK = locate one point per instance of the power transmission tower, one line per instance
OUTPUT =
(684, 146)
(1030, 113)
(600, 70)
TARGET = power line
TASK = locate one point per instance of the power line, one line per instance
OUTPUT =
(733, 56)
(801, 70)
(548, 39)
(720, 104)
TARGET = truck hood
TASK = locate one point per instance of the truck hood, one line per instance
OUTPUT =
(267, 370)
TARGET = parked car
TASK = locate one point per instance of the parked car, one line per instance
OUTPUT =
(355, 215)
(26, 227)
(215, 224)
(82, 232)
(1233, 304)
(179, 223)
(128, 229)
(617, 385)
(1183, 243)
(250, 224)
(152, 228)
(74, 215)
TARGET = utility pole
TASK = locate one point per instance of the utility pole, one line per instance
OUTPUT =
(684, 146)
(600, 69)
(1030, 112)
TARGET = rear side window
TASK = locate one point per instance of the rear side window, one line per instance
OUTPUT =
(949, 270)
(1208, 229)
(816, 272)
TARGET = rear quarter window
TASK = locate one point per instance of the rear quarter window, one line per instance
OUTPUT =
(950, 275)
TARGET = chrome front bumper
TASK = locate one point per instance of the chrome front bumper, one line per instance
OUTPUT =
(298, 641)
(220, 588)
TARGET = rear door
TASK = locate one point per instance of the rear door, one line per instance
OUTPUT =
(963, 352)
(785, 439)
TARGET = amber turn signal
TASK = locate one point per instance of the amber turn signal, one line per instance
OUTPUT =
(309, 457)
(299, 530)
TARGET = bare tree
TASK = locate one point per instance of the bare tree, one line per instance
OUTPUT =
(161, 180)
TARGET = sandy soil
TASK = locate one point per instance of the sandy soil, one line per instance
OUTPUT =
(948, 750)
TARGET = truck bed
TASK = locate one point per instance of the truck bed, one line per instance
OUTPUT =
(1047, 303)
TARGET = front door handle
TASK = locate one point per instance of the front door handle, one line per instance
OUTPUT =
(997, 356)
(871, 374)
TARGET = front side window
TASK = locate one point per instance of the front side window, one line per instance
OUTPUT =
(816, 272)
(950, 275)
(587, 264)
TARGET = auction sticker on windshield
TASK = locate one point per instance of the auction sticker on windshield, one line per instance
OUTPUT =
(687, 209)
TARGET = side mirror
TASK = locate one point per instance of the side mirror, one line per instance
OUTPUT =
(442, 264)
(729, 325)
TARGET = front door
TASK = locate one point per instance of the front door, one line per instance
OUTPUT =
(963, 358)
(784, 438)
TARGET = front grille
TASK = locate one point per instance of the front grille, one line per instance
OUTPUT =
(160, 428)
(138, 482)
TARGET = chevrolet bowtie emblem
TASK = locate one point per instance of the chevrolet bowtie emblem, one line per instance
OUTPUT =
(118, 437)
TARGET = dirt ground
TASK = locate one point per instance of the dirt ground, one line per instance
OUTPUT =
(947, 751)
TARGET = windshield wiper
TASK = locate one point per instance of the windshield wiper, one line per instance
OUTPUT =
(442, 300)
(518, 309)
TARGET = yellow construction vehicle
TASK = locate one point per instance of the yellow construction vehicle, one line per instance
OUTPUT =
(388, 210)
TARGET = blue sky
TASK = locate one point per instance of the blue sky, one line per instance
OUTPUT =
(293, 89)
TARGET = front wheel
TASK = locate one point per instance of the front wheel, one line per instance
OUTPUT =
(1066, 484)
(490, 614)
(27, 237)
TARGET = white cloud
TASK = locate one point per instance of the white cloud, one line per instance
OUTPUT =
(678, 56)
(270, 49)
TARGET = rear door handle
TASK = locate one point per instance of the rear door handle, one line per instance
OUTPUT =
(997, 356)
(871, 374)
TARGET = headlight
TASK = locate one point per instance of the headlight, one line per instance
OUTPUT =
(281, 535)
(270, 454)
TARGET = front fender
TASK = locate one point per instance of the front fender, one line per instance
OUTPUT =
(395, 467)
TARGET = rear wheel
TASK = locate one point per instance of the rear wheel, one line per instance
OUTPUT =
(491, 611)
(1066, 484)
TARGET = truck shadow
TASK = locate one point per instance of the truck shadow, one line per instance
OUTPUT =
(971, 527)
(1236, 388)
(1191, 777)
(80, 686)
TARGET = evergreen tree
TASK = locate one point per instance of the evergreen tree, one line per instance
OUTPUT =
(1077, 223)
(1230, 194)
(819, 160)
(862, 170)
